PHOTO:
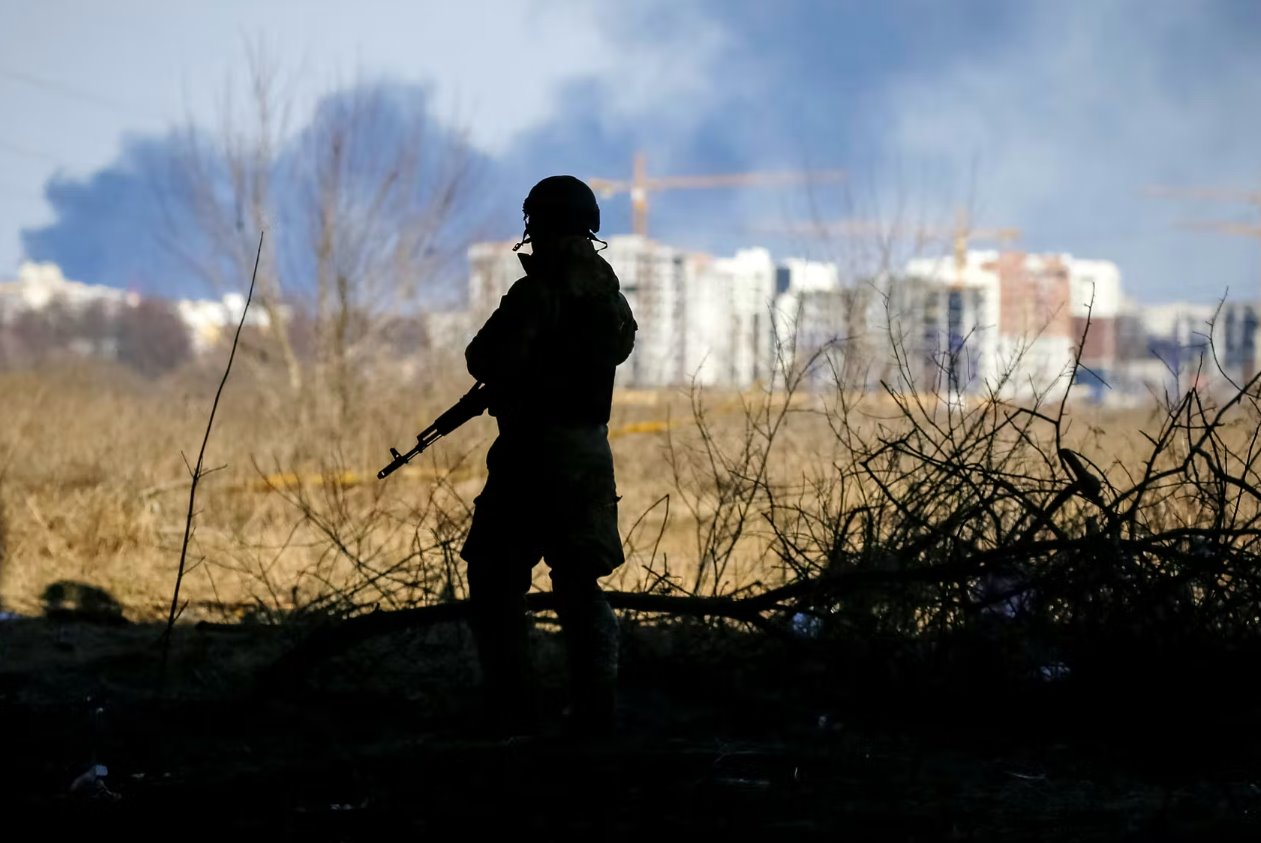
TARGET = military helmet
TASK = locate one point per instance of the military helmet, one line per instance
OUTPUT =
(562, 203)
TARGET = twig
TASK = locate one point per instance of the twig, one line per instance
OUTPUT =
(197, 472)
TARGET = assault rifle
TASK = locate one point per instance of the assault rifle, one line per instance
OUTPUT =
(472, 405)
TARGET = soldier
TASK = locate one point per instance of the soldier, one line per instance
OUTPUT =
(547, 356)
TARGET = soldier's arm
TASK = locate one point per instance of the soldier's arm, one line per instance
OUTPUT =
(625, 330)
(502, 347)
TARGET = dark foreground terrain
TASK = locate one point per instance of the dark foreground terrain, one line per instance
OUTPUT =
(724, 735)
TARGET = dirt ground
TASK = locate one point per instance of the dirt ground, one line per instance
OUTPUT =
(720, 735)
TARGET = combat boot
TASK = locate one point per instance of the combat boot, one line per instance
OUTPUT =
(502, 637)
(591, 641)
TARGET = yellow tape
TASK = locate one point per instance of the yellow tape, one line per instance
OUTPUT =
(347, 479)
(654, 426)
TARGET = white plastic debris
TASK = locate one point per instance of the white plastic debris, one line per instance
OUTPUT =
(91, 783)
(807, 626)
(1054, 671)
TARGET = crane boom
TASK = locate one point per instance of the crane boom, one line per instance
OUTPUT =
(1219, 194)
(960, 235)
(641, 184)
(1225, 227)
(611, 187)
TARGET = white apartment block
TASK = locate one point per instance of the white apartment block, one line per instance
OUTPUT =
(945, 317)
(41, 285)
(1186, 345)
(655, 279)
(730, 336)
(209, 321)
(1095, 287)
(700, 318)
(811, 316)
(1006, 322)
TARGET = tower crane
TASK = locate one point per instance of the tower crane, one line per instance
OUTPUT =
(1221, 194)
(640, 185)
(961, 234)
(649, 283)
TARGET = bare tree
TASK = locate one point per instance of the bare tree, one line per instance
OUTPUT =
(48, 332)
(150, 338)
(381, 227)
(362, 200)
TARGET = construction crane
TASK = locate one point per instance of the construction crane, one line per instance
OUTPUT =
(1247, 197)
(640, 185)
(1220, 194)
(964, 233)
(961, 234)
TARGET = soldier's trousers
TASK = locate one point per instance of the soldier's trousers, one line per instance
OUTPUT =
(501, 630)
(562, 510)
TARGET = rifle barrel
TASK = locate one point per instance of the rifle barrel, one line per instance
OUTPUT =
(472, 404)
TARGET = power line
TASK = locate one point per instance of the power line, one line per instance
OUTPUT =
(62, 89)
(15, 149)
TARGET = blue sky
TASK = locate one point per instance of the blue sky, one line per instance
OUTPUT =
(1048, 116)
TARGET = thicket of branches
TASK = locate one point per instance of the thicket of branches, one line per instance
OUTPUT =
(923, 526)
(919, 517)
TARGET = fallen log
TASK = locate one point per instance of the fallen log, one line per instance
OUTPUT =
(329, 638)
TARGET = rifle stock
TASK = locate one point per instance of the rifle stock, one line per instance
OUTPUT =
(471, 405)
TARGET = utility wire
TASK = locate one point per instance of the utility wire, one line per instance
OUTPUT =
(64, 90)
(70, 91)
(15, 149)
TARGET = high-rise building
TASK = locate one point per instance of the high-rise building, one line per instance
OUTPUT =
(944, 316)
(1009, 322)
(701, 318)
(654, 278)
(813, 319)
(1035, 324)
(729, 331)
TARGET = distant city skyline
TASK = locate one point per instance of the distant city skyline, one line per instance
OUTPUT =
(1011, 320)
(1047, 116)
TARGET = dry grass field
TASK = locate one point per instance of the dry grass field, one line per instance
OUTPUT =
(94, 487)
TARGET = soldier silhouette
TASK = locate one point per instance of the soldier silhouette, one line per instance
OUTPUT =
(547, 356)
